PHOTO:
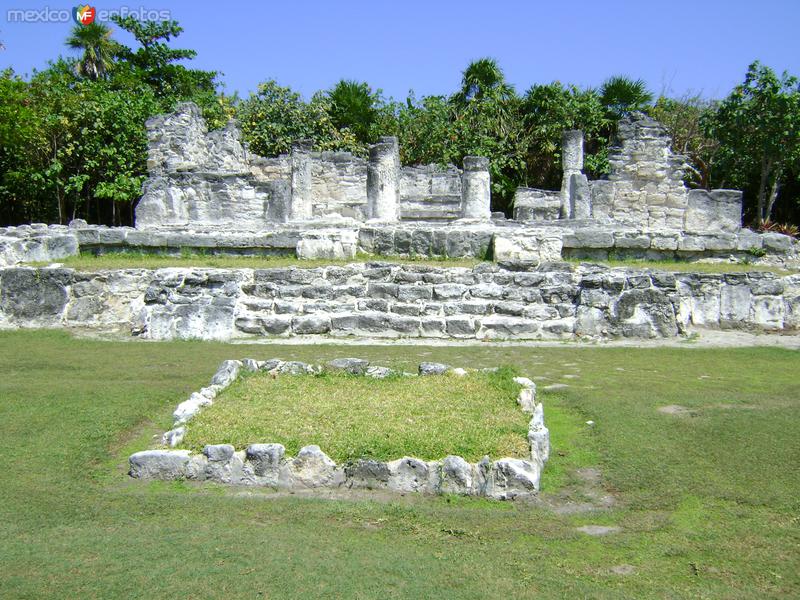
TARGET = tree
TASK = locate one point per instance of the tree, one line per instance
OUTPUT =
(354, 106)
(154, 62)
(99, 50)
(550, 109)
(482, 77)
(758, 127)
(275, 116)
(683, 118)
(622, 95)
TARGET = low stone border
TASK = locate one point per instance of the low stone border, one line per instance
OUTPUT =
(267, 465)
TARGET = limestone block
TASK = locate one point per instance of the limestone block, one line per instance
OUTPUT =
(768, 312)
(530, 249)
(383, 180)
(226, 373)
(476, 189)
(367, 474)
(456, 476)
(532, 205)
(409, 475)
(354, 366)
(776, 242)
(312, 468)
(159, 464)
(713, 210)
(512, 478)
(431, 368)
(265, 460)
(734, 304)
(33, 294)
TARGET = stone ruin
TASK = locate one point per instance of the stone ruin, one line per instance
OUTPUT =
(207, 192)
(202, 179)
(645, 188)
(334, 204)
(267, 465)
(211, 179)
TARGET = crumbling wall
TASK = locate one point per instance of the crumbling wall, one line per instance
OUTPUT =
(197, 177)
(430, 193)
(338, 185)
(384, 300)
(210, 179)
(644, 190)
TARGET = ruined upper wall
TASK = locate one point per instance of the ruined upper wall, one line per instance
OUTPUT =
(210, 179)
(645, 188)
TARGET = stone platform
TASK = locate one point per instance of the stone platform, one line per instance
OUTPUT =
(385, 300)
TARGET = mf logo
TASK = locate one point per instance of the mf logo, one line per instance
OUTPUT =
(84, 15)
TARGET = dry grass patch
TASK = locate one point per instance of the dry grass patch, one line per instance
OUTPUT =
(353, 417)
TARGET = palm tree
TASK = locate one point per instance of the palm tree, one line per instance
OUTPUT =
(622, 95)
(99, 49)
(481, 77)
(353, 106)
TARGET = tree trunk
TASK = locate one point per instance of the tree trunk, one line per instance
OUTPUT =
(61, 208)
(773, 194)
(762, 189)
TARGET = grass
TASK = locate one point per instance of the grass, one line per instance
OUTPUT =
(353, 417)
(87, 261)
(685, 266)
(707, 502)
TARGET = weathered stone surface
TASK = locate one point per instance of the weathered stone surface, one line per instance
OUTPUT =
(713, 210)
(354, 366)
(486, 302)
(189, 408)
(476, 185)
(431, 368)
(512, 477)
(226, 373)
(33, 294)
(265, 458)
(528, 249)
(219, 452)
(159, 464)
(532, 205)
(173, 437)
(312, 468)
(367, 473)
(456, 476)
(409, 475)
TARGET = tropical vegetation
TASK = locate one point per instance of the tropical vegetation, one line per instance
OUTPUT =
(73, 140)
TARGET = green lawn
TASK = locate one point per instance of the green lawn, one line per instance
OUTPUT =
(707, 502)
(140, 260)
(87, 261)
(352, 417)
(686, 266)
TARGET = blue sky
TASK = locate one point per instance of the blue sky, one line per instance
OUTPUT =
(674, 46)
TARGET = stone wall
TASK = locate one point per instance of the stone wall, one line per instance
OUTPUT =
(430, 193)
(388, 300)
(199, 178)
(267, 465)
(507, 243)
(339, 185)
(35, 243)
(644, 190)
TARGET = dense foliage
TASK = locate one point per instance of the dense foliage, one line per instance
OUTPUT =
(73, 141)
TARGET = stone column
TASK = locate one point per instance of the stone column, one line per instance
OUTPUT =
(572, 151)
(301, 206)
(383, 180)
(476, 189)
(575, 193)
